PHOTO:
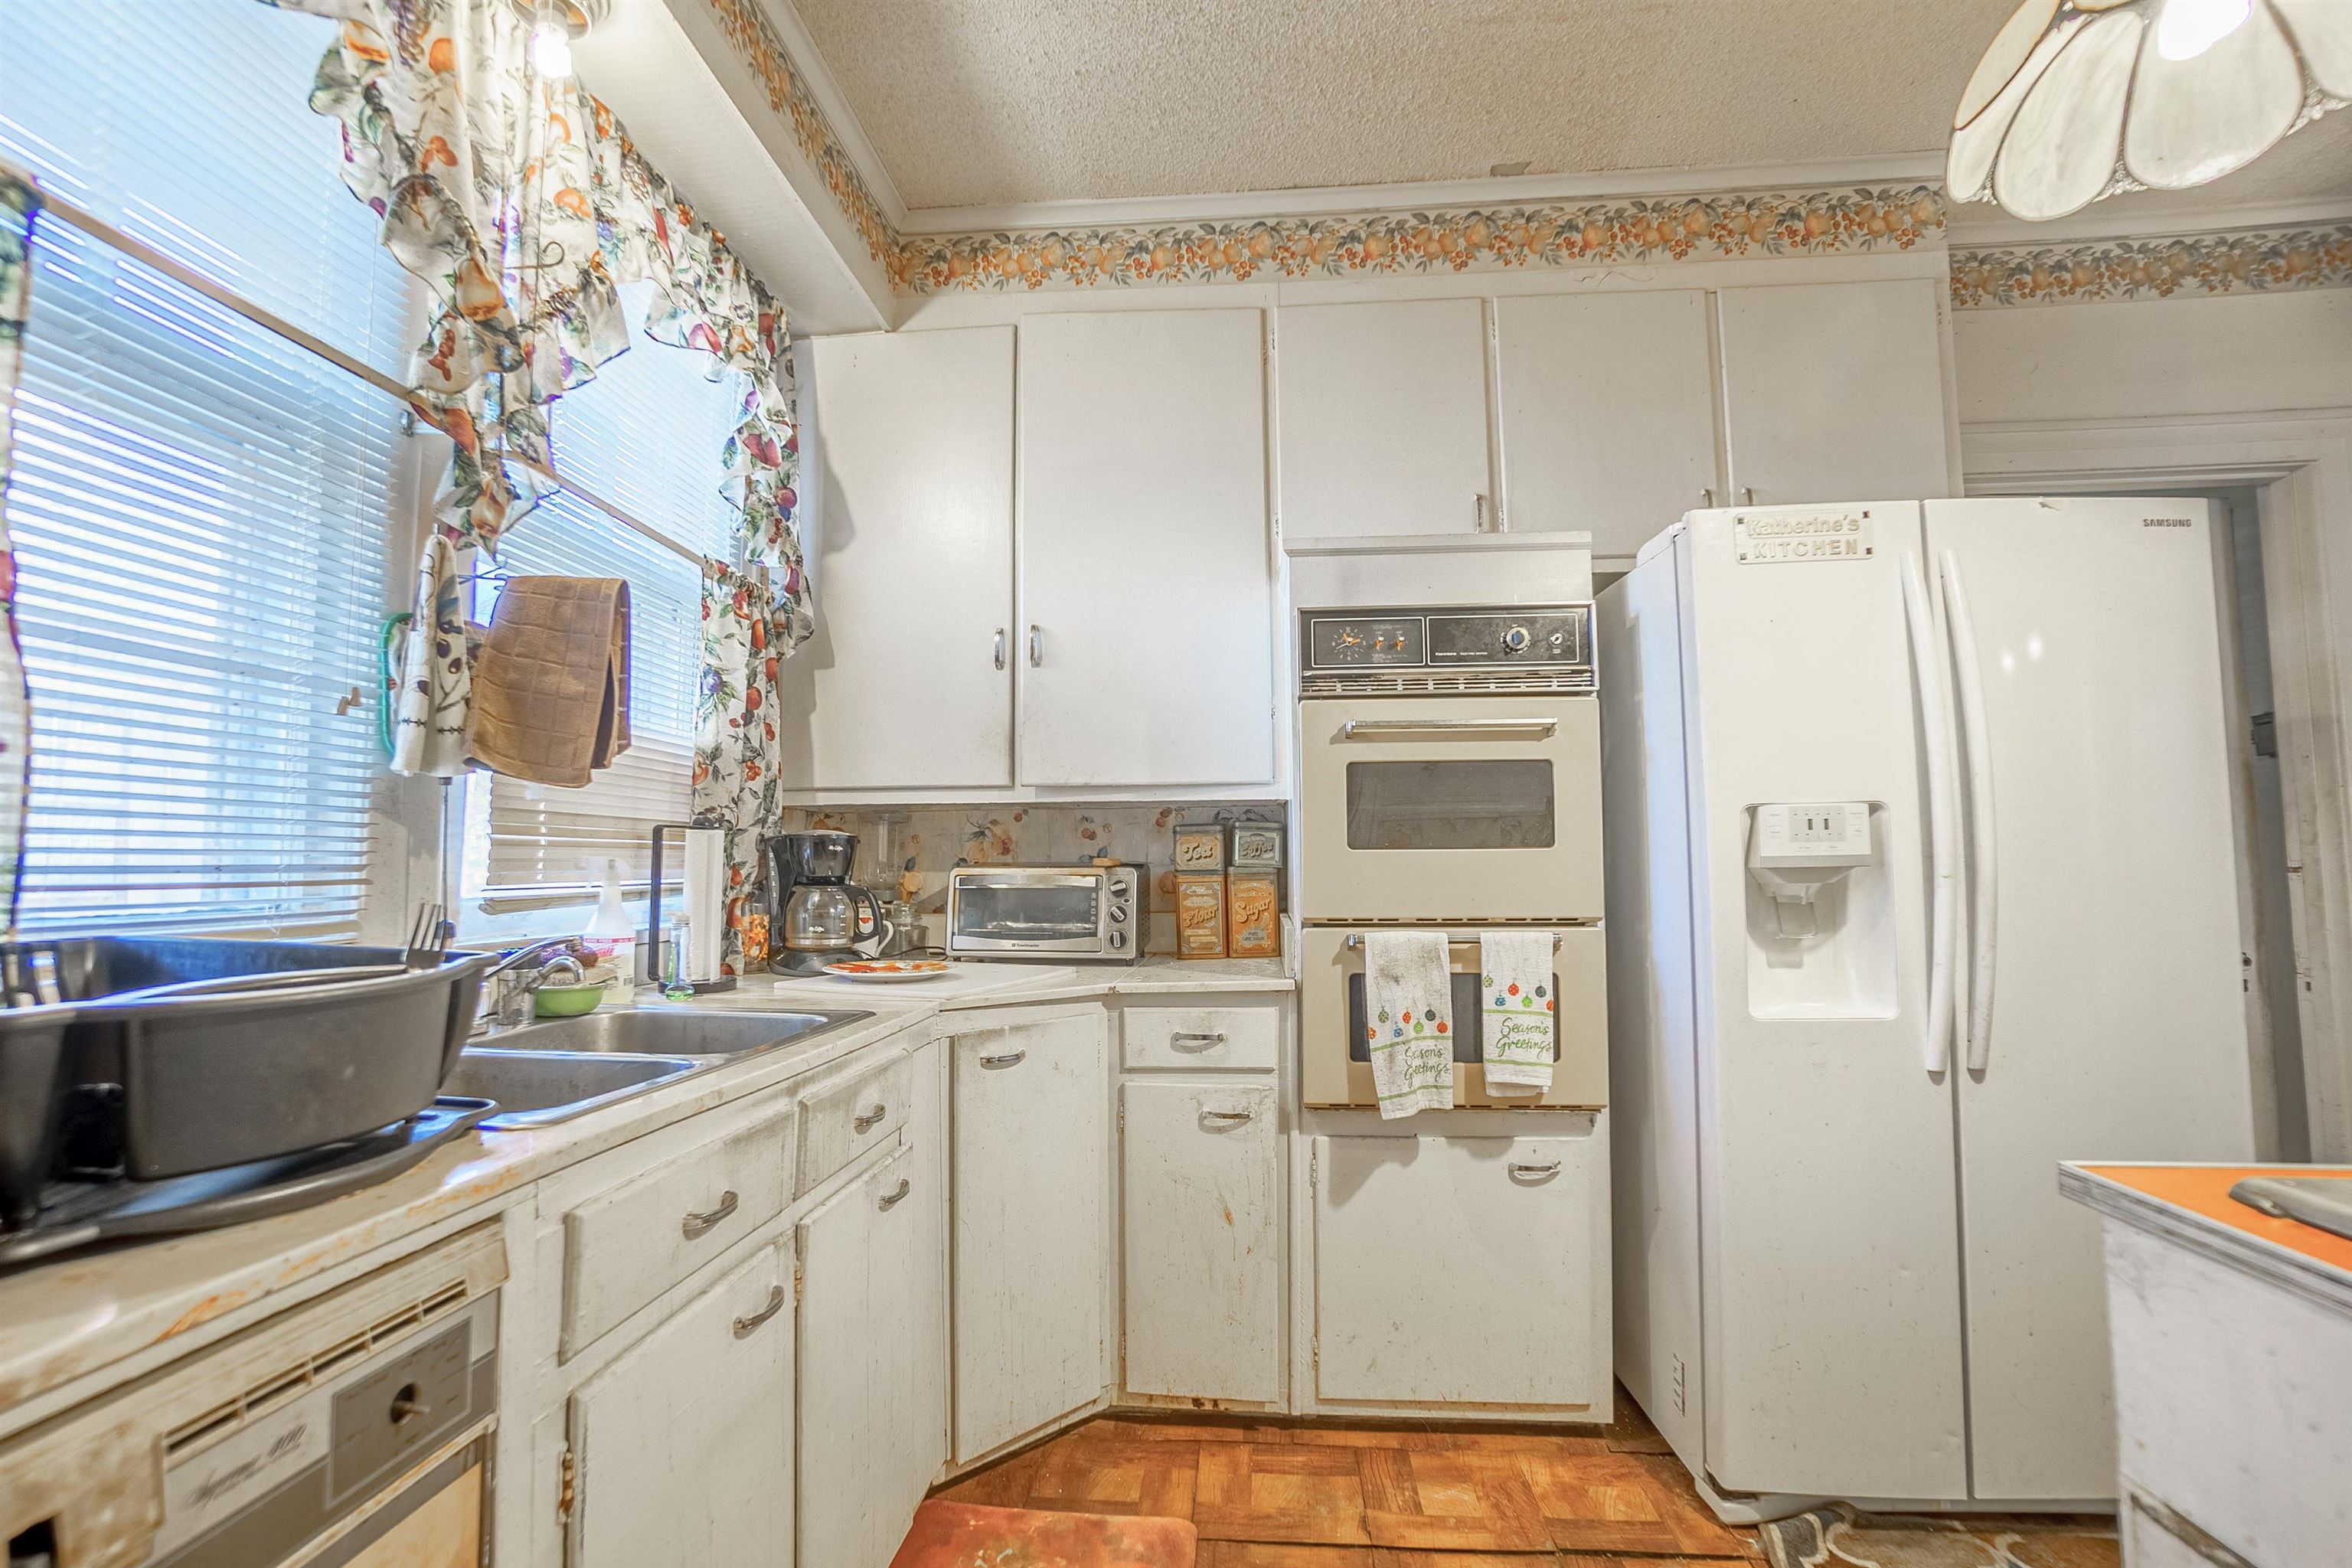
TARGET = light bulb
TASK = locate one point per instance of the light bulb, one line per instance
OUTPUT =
(2188, 27)
(550, 50)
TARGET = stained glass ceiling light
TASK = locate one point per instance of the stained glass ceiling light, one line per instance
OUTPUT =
(2081, 98)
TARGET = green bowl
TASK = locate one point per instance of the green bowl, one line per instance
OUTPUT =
(565, 1001)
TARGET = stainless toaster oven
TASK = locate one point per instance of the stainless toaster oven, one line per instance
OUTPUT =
(1088, 913)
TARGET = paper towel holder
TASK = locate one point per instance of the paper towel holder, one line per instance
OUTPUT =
(654, 926)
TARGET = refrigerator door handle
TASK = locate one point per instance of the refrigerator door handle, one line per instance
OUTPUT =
(1936, 720)
(1976, 733)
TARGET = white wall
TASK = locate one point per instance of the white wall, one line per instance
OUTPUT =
(2232, 354)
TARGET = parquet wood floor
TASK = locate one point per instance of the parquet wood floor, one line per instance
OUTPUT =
(1291, 1495)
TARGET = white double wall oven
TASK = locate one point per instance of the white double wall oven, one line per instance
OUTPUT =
(1450, 778)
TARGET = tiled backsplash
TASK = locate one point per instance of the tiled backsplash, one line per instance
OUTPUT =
(919, 845)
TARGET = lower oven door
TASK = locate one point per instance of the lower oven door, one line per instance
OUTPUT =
(1335, 1064)
(1450, 809)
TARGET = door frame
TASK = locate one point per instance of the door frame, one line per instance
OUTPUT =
(2301, 462)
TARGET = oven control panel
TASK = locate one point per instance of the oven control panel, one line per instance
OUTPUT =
(1516, 647)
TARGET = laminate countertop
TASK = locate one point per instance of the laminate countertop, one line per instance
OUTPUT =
(74, 1329)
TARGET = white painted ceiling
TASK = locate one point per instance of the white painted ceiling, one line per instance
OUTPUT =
(980, 102)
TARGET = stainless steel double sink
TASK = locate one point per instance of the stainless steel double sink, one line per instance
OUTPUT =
(561, 1068)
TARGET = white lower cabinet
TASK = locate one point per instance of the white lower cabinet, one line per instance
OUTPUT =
(683, 1445)
(873, 1392)
(1031, 1103)
(1463, 1270)
(1202, 1240)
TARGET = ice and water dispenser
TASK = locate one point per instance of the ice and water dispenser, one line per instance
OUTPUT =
(1820, 920)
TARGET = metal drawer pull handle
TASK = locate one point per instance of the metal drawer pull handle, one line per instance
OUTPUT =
(1355, 727)
(1011, 1060)
(1520, 1168)
(697, 1225)
(744, 1326)
(999, 648)
(1199, 1040)
(867, 1123)
(1037, 648)
(893, 1199)
(1231, 1117)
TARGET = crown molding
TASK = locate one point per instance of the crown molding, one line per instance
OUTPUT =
(848, 132)
(1907, 168)
(1970, 231)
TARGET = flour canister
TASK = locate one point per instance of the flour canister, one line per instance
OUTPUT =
(1201, 914)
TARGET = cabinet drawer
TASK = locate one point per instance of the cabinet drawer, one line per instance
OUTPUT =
(628, 1244)
(851, 1112)
(1249, 1038)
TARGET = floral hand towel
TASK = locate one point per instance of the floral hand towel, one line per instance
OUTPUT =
(1409, 1021)
(1515, 1011)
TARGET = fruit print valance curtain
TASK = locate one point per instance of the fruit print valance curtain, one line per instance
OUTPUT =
(522, 204)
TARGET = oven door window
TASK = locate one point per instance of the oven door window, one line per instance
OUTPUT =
(1466, 1045)
(1030, 911)
(1495, 804)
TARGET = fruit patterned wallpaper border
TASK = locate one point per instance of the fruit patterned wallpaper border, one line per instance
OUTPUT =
(1618, 232)
(1645, 231)
(755, 43)
(2242, 261)
(925, 841)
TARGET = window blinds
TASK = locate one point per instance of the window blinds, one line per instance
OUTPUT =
(202, 512)
(647, 434)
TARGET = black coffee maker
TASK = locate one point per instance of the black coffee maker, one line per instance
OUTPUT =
(816, 915)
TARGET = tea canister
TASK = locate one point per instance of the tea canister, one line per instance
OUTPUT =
(1201, 914)
(1252, 915)
(1255, 846)
(1200, 847)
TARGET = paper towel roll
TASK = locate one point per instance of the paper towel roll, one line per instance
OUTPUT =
(706, 888)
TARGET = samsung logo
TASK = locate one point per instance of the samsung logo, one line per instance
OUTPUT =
(2166, 523)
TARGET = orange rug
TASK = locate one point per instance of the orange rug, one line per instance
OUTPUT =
(965, 1535)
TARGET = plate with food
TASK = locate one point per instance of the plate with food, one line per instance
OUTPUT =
(882, 971)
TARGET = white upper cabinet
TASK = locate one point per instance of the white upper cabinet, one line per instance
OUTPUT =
(1383, 419)
(1145, 565)
(909, 680)
(1834, 392)
(1607, 413)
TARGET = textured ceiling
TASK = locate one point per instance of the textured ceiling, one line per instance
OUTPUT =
(974, 102)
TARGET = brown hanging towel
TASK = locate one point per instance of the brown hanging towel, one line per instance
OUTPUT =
(552, 690)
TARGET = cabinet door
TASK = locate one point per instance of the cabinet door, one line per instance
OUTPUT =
(1384, 419)
(909, 680)
(1463, 1270)
(872, 1394)
(1203, 1276)
(684, 1444)
(1608, 414)
(1031, 1250)
(1147, 644)
(1834, 392)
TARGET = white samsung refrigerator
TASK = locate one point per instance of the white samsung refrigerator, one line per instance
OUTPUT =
(1922, 878)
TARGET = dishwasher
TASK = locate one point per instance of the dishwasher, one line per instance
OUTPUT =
(350, 1431)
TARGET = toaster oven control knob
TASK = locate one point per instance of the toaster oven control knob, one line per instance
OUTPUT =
(1118, 939)
(1118, 912)
(1514, 640)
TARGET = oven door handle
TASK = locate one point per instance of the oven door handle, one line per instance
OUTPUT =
(1354, 728)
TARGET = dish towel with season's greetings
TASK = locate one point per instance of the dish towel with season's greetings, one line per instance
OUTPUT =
(1409, 1021)
(1515, 1011)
